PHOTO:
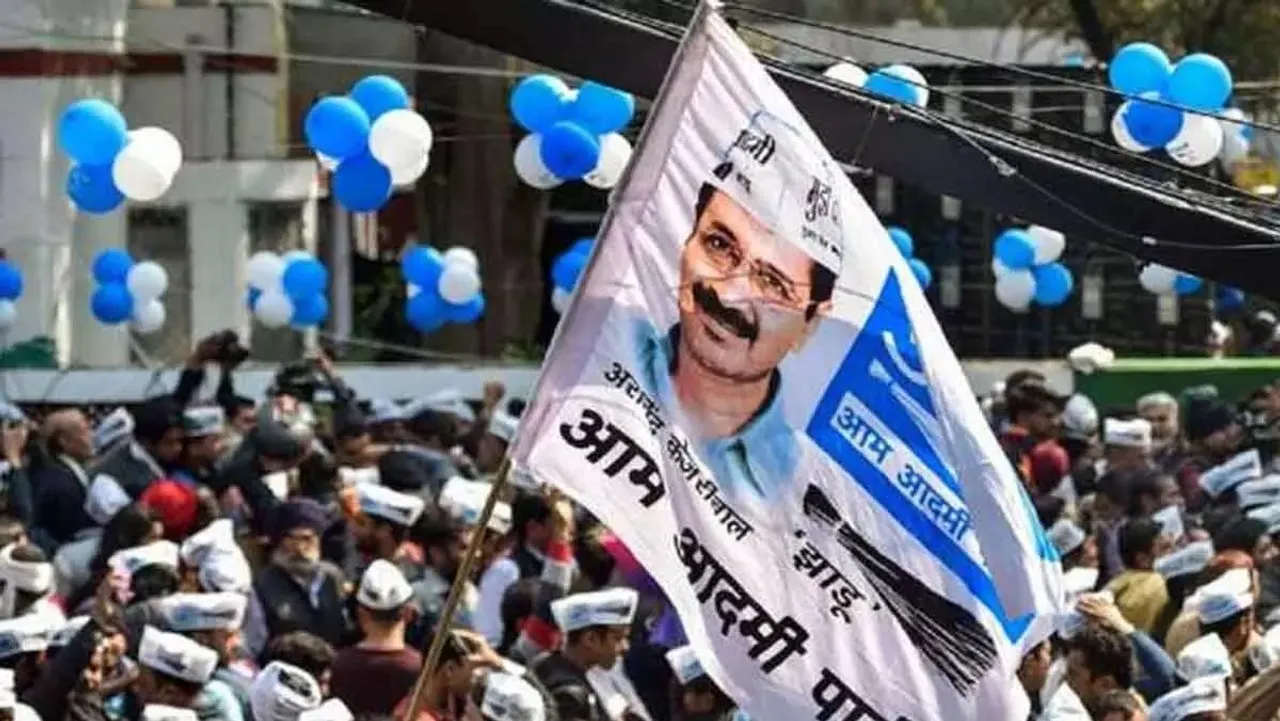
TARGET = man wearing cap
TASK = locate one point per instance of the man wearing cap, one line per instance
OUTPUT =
(26, 583)
(1201, 700)
(61, 484)
(696, 697)
(1225, 609)
(283, 692)
(156, 445)
(23, 642)
(212, 620)
(597, 626)
(172, 668)
(203, 428)
(375, 674)
(1213, 436)
(1126, 444)
(498, 435)
(381, 528)
(1160, 409)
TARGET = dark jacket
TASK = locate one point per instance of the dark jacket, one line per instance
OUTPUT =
(59, 502)
(288, 607)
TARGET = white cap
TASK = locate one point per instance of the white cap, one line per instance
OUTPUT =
(384, 410)
(1268, 514)
(1261, 492)
(1242, 467)
(464, 499)
(511, 698)
(1158, 399)
(176, 655)
(203, 611)
(685, 664)
(449, 401)
(104, 498)
(785, 182)
(1205, 657)
(1170, 520)
(383, 587)
(1191, 558)
(159, 712)
(6, 679)
(503, 426)
(1066, 536)
(35, 577)
(332, 710)
(1079, 418)
(220, 534)
(67, 631)
(1079, 581)
(1266, 652)
(1070, 622)
(1225, 596)
(225, 570)
(1203, 695)
(281, 692)
(610, 607)
(394, 506)
(156, 553)
(116, 425)
(25, 634)
(355, 476)
(1133, 433)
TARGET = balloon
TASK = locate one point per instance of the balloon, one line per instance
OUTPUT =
(1198, 142)
(1120, 131)
(1186, 284)
(362, 184)
(902, 239)
(92, 190)
(566, 269)
(425, 312)
(310, 311)
(1015, 249)
(465, 313)
(337, 127)
(1229, 298)
(111, 303)
(411, 290)
(458, 255)
(421, 265)
(458, 283)
(1235, 144)
(602, 109)
(569, 151)
(274, 309)
(251, 298)
(899, 82)
(304, 278)
(161, 144)
(141, 172)
(539, 102)
(400, 138)
(112, 266)
(582, 246)
(999, 269)
(1139, 68)
(847, 73)
(378, 95)
(1048, 243)
(923, 275)
(149, 317)
(529, 165)
(10, 281)
(1053, 284)
(265, 270)
(560, 300)
(1158, 279)
(1015, 289)
(8, 314)
(92, 131)
(403, 176)
(615, 153)
(147, 281)
(1151, 124)
(1201, 82)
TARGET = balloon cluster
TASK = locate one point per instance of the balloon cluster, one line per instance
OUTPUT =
(1178, 107)
(11, 285)
(902, 83)
(1163, 280)
(1027, 270)
(128, 291)
(907, 246)
(566, 270)
(371, 139)
(573, 133)
(289, 289)
(111, 162)
(441, 288)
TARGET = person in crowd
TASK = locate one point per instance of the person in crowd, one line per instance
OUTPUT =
(597, 627)
(213, 620)
(383, 524)
(500, 432)
(204, 428)
(380, 670)
(283, 692)
(1212, 435)
(505, 696)
(443, 540)
(1121, 705)
(1203, 699)
(172, 669)
(16, 464)
(1035, 417)
(1139, 591)
(305, 651)
(132, 526)
(62, 485)
(1033, 674)
(1099, 661)
(1160, 409)
(26, 583)
(155, 447)
(694, 696)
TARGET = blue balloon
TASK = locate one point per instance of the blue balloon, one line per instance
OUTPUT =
(93, 190)
(1139, 68)
(1186, 284)
(1053, 284)
(569, 151)
(10, 281)
(1229, 298)
(582, 247)
(112, 303)
(465, 313)
(602, 109)
(539, 102)
(920, 269)
(304, 278)
(310, 310)
(422, 266)
(1015, 249)
(425, 311)
(902, 239)
(380, 94)
(361, 183)
(888, 85)
(337, 127)
(1201, 82)
(1151, 124)
(112, 266)
(566, 270)
(92, 132)
(251, 298)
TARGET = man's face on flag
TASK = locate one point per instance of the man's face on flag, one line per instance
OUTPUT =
(743, 293)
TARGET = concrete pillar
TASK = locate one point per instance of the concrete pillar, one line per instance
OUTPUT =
(219, 233)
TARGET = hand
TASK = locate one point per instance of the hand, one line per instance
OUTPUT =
(1104, 613)
(324, 364)
(13, 442)
(482, 654)
(493, 393)
(205, 351)
(562, 519)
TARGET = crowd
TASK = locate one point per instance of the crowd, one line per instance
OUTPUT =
(283, 559)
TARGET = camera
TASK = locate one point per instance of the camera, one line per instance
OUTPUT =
(228, 350)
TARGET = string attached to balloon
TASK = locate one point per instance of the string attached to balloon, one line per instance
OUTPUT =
(574, 134)
(111, 163)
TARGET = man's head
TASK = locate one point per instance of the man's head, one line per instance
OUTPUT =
(1099, 661)
(382, 601)
(1161, 411)
(1141, 543)
(68, 432)
(1121, 705)
(158, 427)
(1034, 407)
(1034, 669)
(306, 651)
(597, 625)
(443, 540)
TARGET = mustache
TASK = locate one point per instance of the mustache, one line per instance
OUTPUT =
(708, 301)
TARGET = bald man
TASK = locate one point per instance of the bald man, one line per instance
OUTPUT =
(60, 486)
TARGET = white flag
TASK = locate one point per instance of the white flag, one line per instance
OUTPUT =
(752, 392)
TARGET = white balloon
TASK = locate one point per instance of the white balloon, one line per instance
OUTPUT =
(265, 270)
(163, 144)
(406, 175)
(326, 162)
(459, 283)
(528, 163)
(1158, 279)
(912, 76)
(8, 314)
(146, 282)
(148, 317)
(1198, 142)
(458, 255)
(411, 290)
(141, 171)
(1120, 132)
(998, 269)
(847, 73)
(1234, 146)
(615, 153)
(399, 138)
(1015, 289)
(560, 300)
(1048, 243)
(274, 309)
